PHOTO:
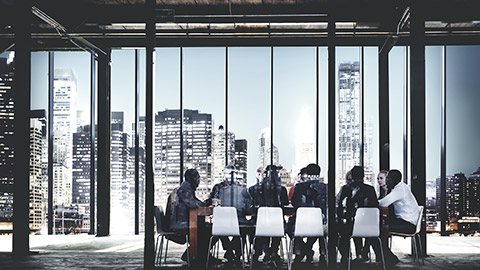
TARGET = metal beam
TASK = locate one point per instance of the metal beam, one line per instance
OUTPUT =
(443, 149)
(104, 151)
(383, 111)
(417, 103)
(51, 75)
(137, 142)
(93, 92)
(21, 182)
(149, 256)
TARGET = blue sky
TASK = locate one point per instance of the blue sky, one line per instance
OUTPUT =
(294, 85)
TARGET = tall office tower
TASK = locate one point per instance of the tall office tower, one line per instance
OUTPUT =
(370, 174)
(6, 140)
(472, 206)
(240, 159)
(264, 149)
(64, 125)
(141, 132)
(304, 141)
(349, 141)
(121, 215)
(455, 196)
(37, 131)
(197, 137)
(81, 170)
(219, 157)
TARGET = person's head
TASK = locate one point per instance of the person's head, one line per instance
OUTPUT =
(193, 177)
(227, 172)
(348, 177)
(358, 174)
(381, 178)
(313, 171)
(393, 178)
(302, 175)
(260, 174)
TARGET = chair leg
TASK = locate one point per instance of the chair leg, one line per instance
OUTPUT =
(415, 256)
(421, 249)
(166, 250)
(188, 250)
(156, 250)
(290, 254)
(349, 253)
(381, 253)
(243, 254)
(252, 251)
(159, 258)
(326, 248)
(208, 253)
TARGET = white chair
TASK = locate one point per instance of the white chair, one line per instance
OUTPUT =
(415, 253)
(366, 225)
(225, 223)
(308, 223)
(162, 235)
(269, 224)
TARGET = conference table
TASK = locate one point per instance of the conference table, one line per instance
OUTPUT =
(208, 211)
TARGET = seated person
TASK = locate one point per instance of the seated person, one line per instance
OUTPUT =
(302, 177)
(359, 195)
(406, 210)
(268, 192)
(310, 193)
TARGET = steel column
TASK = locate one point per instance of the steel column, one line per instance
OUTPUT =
(104, 154)
(137, 142)
(332, 256)
(271, 106)
(362, 107)
(21, 172)
(417, 105)
(383, 110)
(149, 255)
(51, 71)
(443, 150)
(93, 115)
(317, 103)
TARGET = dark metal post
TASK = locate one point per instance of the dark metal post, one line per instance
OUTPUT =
(317, 103)
(149, 256)
(417, 105)
(104, 134)
(405, 119)
(93, 92)
(137, 142)
(383, 110)
(362, 107)
(181, 116)
(226, 108)
(21, 172)
(51, 71)
(443, 150)
(271, 106)
(332, 256)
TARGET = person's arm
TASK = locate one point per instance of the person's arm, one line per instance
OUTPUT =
(188, 197)
(393, 196)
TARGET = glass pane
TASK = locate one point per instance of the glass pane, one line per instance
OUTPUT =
(249, 105)
(167, 123)
(370, 103)
(122, 175)
(294, 110)
(463, 146)
(204, 115)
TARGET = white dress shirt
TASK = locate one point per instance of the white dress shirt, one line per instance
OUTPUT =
(404, 203)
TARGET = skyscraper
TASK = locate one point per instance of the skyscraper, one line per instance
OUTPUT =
(240, 159)
(81, 170)
(64, 125)
(6, 140)
(37, 177)
(264, 153)
(197, 134)
(219, 158)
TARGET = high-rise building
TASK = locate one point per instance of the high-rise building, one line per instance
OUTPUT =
(197, 134)
(6, 140)
(37, 131)
(240, 158)
(264, 152)
(64, 125)
(304, 141)
(81, 170)
(220, 144)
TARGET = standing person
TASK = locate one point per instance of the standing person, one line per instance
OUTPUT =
(361, 195)
(406, 210)
(310, 193)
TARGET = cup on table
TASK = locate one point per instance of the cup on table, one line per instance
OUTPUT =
(215, 202)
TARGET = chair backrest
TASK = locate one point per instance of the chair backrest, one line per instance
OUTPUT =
(225, 221)
(309, 222)
(419, 221)
(159, 216)
(270, 222)
(367, 222)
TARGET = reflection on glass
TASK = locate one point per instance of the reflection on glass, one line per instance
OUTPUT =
(122, 154)
(294, 110)
(249, 106)
(204, 115)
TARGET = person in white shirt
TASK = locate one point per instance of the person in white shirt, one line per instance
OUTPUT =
(404, 204)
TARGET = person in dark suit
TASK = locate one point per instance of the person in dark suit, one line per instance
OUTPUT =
(357, 195)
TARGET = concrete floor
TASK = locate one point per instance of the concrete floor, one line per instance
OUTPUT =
(126, 252)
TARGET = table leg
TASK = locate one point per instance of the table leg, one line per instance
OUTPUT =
(193, 237)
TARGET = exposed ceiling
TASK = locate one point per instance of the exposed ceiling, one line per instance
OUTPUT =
(70, 24)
